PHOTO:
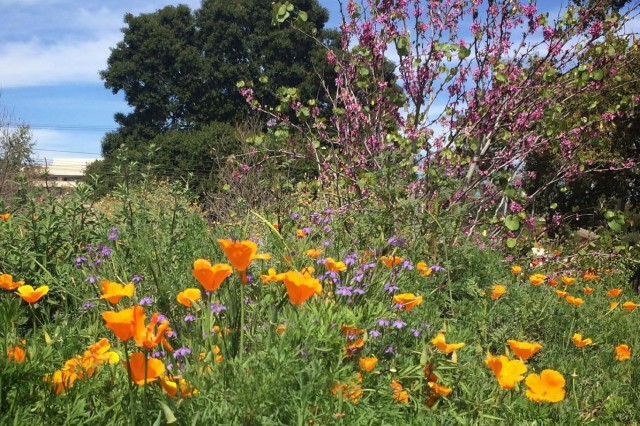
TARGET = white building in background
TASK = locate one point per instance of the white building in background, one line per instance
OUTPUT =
(62, 172)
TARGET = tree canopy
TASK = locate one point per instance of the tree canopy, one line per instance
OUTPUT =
(178, 68)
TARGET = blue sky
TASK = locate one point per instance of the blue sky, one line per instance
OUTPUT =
(50, 54)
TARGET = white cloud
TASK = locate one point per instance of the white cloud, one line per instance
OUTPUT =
(74, 144)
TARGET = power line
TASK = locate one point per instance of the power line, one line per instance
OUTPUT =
(64, 127)
(68, 152)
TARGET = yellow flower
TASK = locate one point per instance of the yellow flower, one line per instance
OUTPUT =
(567, 280)
(524, 350)
(561, 293)
(497, 291)
(630, 306)
(271, 276)
(508, 372)
(188, 296)
(423, 269)
(333, 266)
(408, 301)
(31, 295)
(399, 394)
(440, 343)
(548, 386)
(537, 279)
(579, 341)
(367, 364)
(575, 301)
(516, 269)
(5, 216)
(623, 352)
(113, 291)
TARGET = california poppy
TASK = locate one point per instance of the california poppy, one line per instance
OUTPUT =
(439, 389)
(630, 306)
(16, 354)
(61, 381)
(579, 341)
(31, 295)
(368, 363)
(548, 386)
(575, 301)
(440, 343)
(537, 279)
(497, 291)
(113, 291)
(567, 280)
(561, 293)
(508, 372)
(351, 391)
(241, 253)
(271, 276)
(210, 277)
(614, 292)
(587, 290)
(149, 336)
(524, 350)
(5, 216)
(172, 385)
(408, 301)
(623, 352)
(333, 266)
(516, 269)
(424, 269)
(188, 296)
(7, 283)
(399, 394)
(313, 253)
(141, 373)
(121, 322)
(391, 261)
(300, 287)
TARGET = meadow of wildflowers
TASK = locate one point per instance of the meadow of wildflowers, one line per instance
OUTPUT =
(149, 315)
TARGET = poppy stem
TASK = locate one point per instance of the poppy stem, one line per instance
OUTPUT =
(241, 345)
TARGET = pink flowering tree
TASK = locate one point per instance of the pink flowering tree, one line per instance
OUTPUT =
(481, 88)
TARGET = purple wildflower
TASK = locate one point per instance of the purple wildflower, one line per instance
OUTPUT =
(189, 318)
(113, 234)
(390, 350)
(395, 241)
(136, 279)
(216, 308)
(91, 279)
(180, 353)
(383, 322)
(88, 305)
(416, 332)
(146, 301)
(344, 291)
(390, 288)
(374, 333)
(399, 324)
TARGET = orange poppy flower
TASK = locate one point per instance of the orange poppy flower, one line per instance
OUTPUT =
(561, 293)
(141, 375)
(149, 336)
(537, 279)
(391, 261)
(188, 296)
(100, 352)
(623, 352)
(121, 322)
(7, 283)
(439, 389)
(210, 277)
(423, 269)
(508, 372)
(546, 387)
(524, 350)
(516, 269)
(399, 394)
(5, 216)
(31, 295)
(16, 354)
(351, 391)
(587, 290)
(553, 282)
(440, 343)
(171, 387)
(61, 381)
(333, 266)
(567, 280)
(614, 292)
(271, 276)
(351, 348)
(313, 253)
(575, 301)
(497, 291)
(613, 305)
(590, 275)
(113, 291)
(408, 301)
(351, 331)
(300, 287)
(301, 233)
(281, 328)
(368, 363)
(579, 341)
(241, 253)
(630, 306)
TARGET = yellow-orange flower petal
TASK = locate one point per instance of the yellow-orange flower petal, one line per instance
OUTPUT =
(188, 296)
(546, 387)
(508, 372)
(210, 277)
(16, 354)
(241, 253)
(497, 291)
(31, 295)
(440, 342)
(121, 322)
(623, 352)
(300, 287)
(368, 363)
(579, 341)
(333, 266)
(7, 283)
(614, 292)
(141, 375)
(407, 301)
(113, 291)
(524, 350)
(537, 279)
